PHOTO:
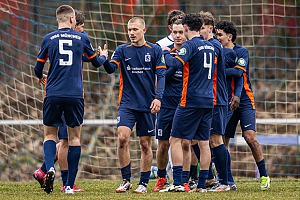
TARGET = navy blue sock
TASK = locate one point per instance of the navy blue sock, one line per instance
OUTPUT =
(229, 173)
(196, 150)
(220, 153)
(64, 176)
(210, 172)
(185, 176)
(261, 165)
(161, 173)
(177, 175)
(144, 180)
(43, 167)
(126, 172)
(203, 174)
(49, 153)
(73, 160)
(193, 172)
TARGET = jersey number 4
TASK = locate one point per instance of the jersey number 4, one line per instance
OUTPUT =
(208, 64)
(62, 51)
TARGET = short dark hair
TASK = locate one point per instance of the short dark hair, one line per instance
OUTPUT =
(79, 17)
(173, 15)
(193, 21)
(227, 27)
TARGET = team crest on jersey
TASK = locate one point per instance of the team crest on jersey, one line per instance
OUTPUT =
(182, 52)
(241, 62)
(159, 132)
(147, 58)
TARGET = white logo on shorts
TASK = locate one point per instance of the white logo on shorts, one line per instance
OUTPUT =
(149, 131)
(159, 132)
(247, 125)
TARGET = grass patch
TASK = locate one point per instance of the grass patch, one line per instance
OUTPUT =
(105, 189)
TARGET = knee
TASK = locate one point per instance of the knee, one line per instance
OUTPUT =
(145, 146)
(122, 142)
(185, 146)
(250, 139)
(63, 143)
(164, 146)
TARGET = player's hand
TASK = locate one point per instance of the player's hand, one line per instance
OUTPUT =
(43, 80)
(234, 103)
(103, 52)
(155, 106)
(166, 48)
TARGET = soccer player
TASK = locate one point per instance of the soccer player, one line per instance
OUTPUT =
(170, 102)
(219, 119)
(64, 90)
(140, 62)
(173, 15)
(62, 145)
(234, 90)
(226, 34)
(193, 115)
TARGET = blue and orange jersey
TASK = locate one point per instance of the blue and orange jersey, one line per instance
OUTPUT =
(65, 48)
(196, 57)
(219, 78)
(247, 97)
(234, 78)
(173, 85)
(139, 67)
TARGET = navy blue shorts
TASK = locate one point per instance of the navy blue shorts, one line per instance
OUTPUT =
(247, 121)
(219, 120)
(144, 121)
(164, 123)
(192, 123)
(54, 107)
(63, 130)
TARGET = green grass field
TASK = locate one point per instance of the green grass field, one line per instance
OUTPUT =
(105, 189)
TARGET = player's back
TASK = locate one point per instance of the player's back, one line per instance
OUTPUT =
(137, 78)
(219, 79)
(198, 56)
(65, 48)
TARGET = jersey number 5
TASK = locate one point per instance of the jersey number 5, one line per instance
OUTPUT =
(208, 65)
(62, 51)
